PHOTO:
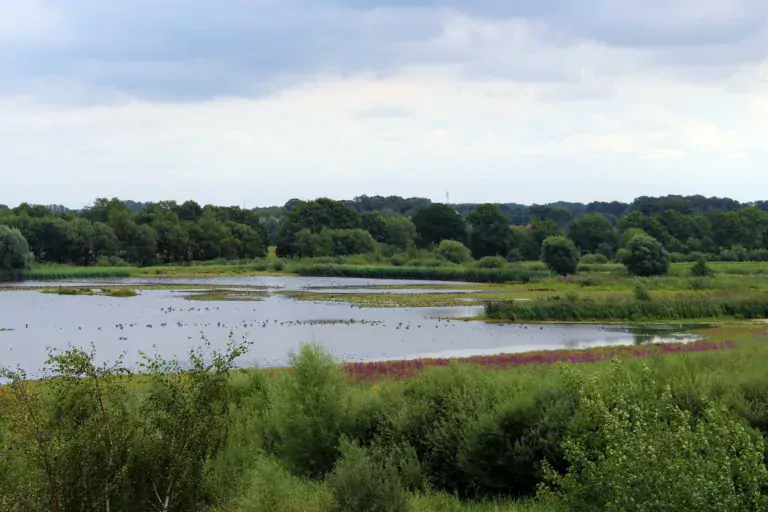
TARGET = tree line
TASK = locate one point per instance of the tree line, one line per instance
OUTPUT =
(112, 231)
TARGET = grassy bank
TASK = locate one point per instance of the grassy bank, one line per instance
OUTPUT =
(517, 275)
(506, 433)
(574, 308)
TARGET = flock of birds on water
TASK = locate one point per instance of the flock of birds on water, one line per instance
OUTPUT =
(444, 322)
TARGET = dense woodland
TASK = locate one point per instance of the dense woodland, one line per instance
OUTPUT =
(115, 232)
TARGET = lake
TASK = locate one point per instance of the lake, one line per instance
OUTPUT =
(165, 319)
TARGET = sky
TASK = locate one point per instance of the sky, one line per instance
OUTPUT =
(254, 102)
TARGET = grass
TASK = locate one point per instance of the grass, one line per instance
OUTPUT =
(78, 291)
(227, 295)
(121, 292)
(574, 308)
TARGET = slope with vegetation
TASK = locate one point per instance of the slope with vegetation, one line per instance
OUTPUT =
(459, 437)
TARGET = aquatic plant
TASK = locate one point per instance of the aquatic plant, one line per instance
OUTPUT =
(406, 368)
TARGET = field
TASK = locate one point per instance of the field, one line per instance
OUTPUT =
(427, 435)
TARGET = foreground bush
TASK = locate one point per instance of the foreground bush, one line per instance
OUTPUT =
(631, 447)
(683, 433)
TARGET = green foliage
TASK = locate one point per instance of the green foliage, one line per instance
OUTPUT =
(642, 293)
(560, 255)
(362, 482)
(592, 259)
(646, 257)
(185, 424)
(14, 250)
(491, 262)
(438, 222)
(351, 241)
(683, 307)
(701, 269)
(591, 232)
(305, 422)
(270, 487)
(453, 251)
(475, 275)
(490, 231)
(400, 232)
(631, 447)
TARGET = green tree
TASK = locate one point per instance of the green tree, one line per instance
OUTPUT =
(315, 216)
(14, 250)
(376, 225)
(438, 222)
(351, 241)
(590, 231)
(400, 232)
(453, 251)
(560, 255)
(490, 231)
(646, 257)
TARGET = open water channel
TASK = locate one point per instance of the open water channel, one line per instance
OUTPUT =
(165, 321)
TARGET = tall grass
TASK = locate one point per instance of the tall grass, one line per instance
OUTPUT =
(475, 275)
(66, 272)
(679, 307)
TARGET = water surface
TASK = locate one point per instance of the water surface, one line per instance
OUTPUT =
(278, 324)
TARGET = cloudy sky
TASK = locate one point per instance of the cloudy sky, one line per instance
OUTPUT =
(258, 101)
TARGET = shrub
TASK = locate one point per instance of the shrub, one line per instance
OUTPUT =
(270, 487)
(594, 259)
(560, 255)
(453, 251)
(701, 269)
(514, 255)
(492, 262)
(14, 250)
(361, 482)
(646, 257)
(307, 414)
(351, 241)
(630, 447)
(642, 293)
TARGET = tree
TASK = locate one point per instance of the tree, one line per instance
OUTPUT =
(376, 225)
(315, 216)
(351, 241)
(646, 257)
(560, 255)
(590, 231)
(438, 222)
(14, 250)
(453, 251)
(400, 232)
(490, 231)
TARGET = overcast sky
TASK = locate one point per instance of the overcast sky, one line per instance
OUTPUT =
(258, 101)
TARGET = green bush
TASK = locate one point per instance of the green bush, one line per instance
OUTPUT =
(270, 487)
(453, 251)
(630, 447)
(594, 259)
(306, 419)
(642, 293)
(701, 269)
(362, 482)
(646, 257)
(14, 250)
(560, 255)
(491, 262)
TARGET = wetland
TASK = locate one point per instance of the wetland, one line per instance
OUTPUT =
(356, 320)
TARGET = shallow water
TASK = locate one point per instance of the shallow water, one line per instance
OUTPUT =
(276, 325)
